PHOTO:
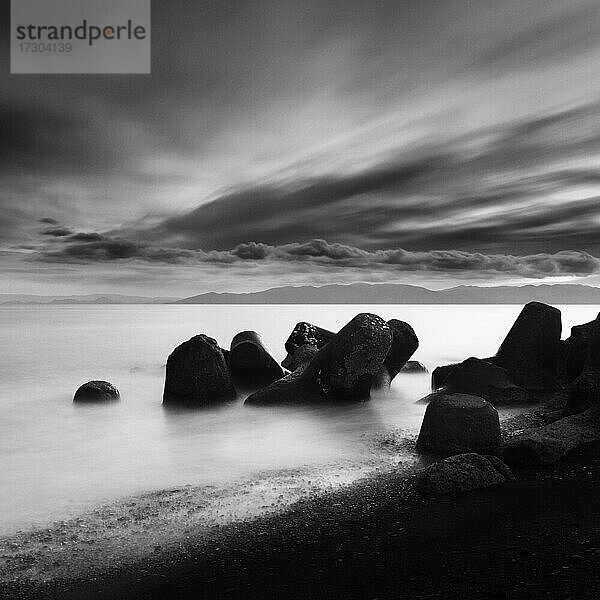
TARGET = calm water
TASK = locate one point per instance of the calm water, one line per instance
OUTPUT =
(57, 458)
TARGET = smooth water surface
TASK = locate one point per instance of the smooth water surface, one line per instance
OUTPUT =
(57, 458)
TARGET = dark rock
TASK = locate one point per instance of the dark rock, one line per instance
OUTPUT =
(584, 392)
(250, 364)
(548, 444)
(302, 357)
(481, 378)
(576, 347)
(96, 391)
(462, 473)
(414, 366)
(302, 386)
(438, 377)
(531, 350)
(197, 374)
(457, 423)
(356, 355)
(404, 345)
(305, 334)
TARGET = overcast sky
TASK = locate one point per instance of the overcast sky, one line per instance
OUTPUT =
(312, 141)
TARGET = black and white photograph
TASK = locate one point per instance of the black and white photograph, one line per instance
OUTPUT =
(299, 299)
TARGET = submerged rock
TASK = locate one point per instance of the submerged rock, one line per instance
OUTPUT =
(531, 349)
(404, 344)
(481, 378)
(97, 391)
(548, 444)
(414, 366)
(462, 473)
(197, 374)
(356, 355)
(305, 334)
(457, 423)
(250, 364)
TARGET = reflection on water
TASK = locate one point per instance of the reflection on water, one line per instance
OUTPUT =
(57, 458)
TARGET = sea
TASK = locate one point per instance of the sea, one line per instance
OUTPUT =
(58, 458)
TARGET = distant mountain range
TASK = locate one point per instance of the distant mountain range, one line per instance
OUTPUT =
(388, 293)
(356, 293)
(16, 299)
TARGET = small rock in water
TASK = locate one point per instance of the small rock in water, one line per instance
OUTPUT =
(414, 366)
(97, 391)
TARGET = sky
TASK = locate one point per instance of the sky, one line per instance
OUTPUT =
(308, 142)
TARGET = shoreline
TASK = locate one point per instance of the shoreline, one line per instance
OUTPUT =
(536, 537)
(129, 534)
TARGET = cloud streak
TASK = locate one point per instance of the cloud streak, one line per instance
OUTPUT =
(530, 186)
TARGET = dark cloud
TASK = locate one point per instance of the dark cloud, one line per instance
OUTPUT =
(87, 237)
(335, 256)
(57, 232)
(466, 125)
(508, 196)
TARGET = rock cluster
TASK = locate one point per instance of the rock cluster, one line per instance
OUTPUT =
(366, 353)
(324, 366)
(527, 362)
(531, 365)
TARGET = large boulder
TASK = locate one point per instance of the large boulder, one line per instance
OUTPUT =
(356, 355)
(548, 444)
(457, 423)
(576, 347)
(250, 364)
(197, 374)
(96, 391)
(462, 473)
(304, 334)
(481, 378)
(584, 392)
(531, 350)
(404, 345)
(301, 386)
